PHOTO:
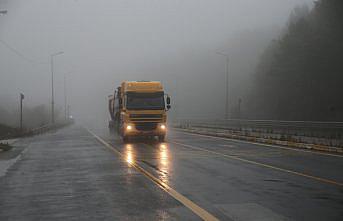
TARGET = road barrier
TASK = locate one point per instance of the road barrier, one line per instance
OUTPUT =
(302, 128)
(45, 128)
(35, 131)
(322, 134)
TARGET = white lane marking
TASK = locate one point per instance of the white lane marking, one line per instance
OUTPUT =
(250, 212)
(202, 213)
(227, 145)
(262, 164)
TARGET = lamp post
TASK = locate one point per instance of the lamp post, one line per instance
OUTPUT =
(227, 84)
(21, 111)
(52, 85)
(65, 98)
(66, 106)
(68, 111)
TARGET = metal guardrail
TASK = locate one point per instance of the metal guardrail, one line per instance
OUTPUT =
(47, 127)
(301, 128)
(35, 131)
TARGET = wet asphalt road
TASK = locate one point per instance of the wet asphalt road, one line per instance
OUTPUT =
(70, 175)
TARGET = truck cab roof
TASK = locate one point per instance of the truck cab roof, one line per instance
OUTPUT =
(142, 86)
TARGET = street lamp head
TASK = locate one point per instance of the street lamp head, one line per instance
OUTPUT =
(3, 12)
(58, 53)
(221, 53)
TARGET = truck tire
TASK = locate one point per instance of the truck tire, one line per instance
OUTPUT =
(126, 139)
(111, 131)
(111, 126)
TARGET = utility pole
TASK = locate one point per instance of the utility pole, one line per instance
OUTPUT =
(65, 98)
(68, 111)
(52, 90)
(239, 108)
(227, 84)
(21, 111)
(52, 85)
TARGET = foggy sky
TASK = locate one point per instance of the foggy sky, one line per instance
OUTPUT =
(107, 41)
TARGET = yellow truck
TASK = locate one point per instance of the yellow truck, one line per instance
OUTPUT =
(138, 109)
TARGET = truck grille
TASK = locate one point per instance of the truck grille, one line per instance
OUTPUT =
(146, 117)
(146, 126)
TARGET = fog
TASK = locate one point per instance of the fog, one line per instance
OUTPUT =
(105, 42)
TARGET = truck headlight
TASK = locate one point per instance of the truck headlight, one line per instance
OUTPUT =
(129, 127)
(162, 126)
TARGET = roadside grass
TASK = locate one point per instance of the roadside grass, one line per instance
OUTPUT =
(7, 132)
(5, 147)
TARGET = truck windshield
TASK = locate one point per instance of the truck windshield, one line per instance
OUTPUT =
(145, 101)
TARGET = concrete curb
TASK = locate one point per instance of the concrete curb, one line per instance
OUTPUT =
(9, 141)
(266, 141)
(5, 165)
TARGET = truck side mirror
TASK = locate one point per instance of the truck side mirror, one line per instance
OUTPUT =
(120, 103)
(168, 103)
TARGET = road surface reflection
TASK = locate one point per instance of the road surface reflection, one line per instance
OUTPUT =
(129, 156)
(158, 153)
(163, 163)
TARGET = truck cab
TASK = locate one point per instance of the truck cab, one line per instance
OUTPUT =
(139, 109)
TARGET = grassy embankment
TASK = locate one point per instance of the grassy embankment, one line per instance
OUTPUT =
(6, 132)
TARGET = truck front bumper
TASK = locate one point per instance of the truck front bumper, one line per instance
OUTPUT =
(141, 129)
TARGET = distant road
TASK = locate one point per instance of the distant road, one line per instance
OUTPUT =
(89, 175)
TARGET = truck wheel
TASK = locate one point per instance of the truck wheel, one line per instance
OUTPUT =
(111, 126)
(162, 138)
(111, 130)
(126, 139)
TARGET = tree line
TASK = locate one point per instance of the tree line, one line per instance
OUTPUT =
(300, 74)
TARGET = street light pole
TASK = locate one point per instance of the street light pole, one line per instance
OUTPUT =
(227, 84)
(52, 90)
(65, 97)
(68, 111)
(21, 111)
(52, 85)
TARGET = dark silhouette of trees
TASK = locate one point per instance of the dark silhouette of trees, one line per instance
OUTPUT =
(300, 75)
(33, 117)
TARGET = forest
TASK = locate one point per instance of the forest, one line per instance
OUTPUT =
(300, 74)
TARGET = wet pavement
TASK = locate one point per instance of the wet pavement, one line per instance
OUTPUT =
(70, 175)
